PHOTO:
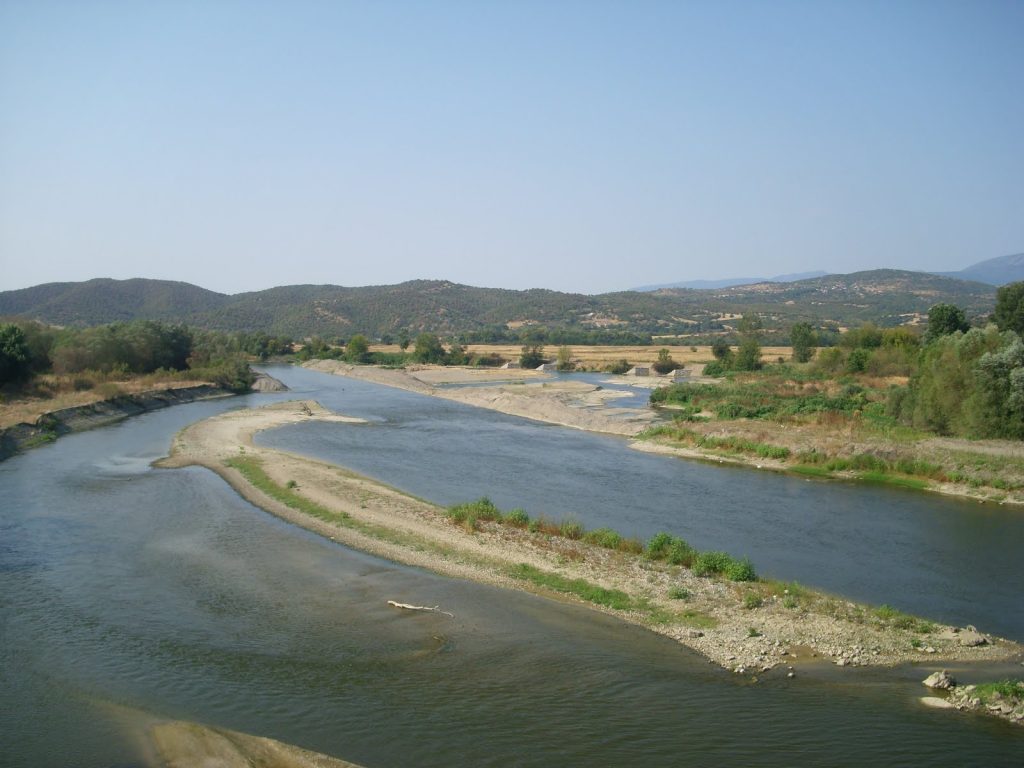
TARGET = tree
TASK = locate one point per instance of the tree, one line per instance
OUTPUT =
(565, 362)
(664, 363)
(403, 340)
(721, 349)
(358, 349)
(1009, 312)
(428, 349)
(944, 319)
(456, 354)
(748, 356)
(803, 340)
(532, 356)
(15, 361)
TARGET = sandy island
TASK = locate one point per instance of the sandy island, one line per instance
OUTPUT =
(716, 618)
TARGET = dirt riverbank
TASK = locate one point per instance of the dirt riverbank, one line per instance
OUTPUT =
(53, 424)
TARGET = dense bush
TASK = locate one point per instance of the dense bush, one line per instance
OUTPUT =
(969, 384)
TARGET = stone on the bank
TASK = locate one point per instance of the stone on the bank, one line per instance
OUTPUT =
(940, 680)
(971, 638)
(936, 702)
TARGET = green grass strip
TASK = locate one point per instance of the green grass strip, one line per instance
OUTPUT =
(252, 470)
(581, 588)
(900, 481)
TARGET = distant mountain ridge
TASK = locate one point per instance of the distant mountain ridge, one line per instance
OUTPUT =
(885, 297)
(998, 271)
(732, 281)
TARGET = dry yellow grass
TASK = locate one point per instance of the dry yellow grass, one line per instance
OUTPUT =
(52, 393)
(604, 356)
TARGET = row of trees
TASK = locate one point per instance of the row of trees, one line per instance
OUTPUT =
(139, 347)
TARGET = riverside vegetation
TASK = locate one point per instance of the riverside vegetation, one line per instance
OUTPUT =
(941, 411)
(43, 368)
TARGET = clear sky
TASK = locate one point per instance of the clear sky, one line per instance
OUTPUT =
(582, 146)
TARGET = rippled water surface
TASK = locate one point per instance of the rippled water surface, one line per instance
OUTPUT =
(126, 589)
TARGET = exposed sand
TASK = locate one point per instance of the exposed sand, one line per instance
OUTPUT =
(180, 744)
(713, 620)
(535, 396)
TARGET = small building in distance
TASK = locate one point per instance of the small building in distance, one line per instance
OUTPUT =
(639, 370)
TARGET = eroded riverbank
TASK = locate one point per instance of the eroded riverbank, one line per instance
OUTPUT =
(749, 628)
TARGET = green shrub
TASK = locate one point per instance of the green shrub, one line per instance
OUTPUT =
(741, 570)
(517, 517)
(658, 546)
(711, 563)
(679, 593)
(752, 600)
(680, 553)
(716, 368)
(481, 509)
(571, 529)
(604, 537)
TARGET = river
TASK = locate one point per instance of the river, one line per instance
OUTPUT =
(126, 589)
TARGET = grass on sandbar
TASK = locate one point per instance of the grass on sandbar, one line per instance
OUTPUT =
(581, 588)
(252, 470)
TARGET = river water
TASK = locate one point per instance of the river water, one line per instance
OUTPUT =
(126, 589)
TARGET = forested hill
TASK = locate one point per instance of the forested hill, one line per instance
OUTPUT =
(886, 297)
(105, 301)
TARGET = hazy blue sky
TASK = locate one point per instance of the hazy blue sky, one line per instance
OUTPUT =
(586, 146)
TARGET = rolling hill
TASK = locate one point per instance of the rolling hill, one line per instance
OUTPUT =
(886, 297)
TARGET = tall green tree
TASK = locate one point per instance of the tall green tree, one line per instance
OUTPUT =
(803, 339)
(358, 349)
(944, 319)
(15, 362)
(748, 356)
(1009, 313)
(428, 349)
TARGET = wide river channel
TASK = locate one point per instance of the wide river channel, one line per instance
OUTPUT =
(129, 593)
